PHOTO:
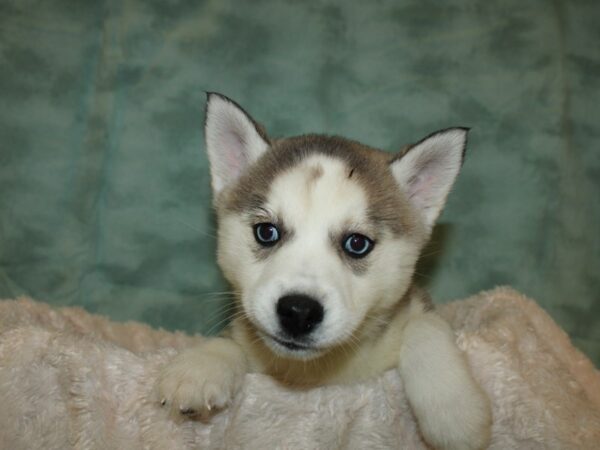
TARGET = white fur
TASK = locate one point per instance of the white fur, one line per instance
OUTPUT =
(452, 410)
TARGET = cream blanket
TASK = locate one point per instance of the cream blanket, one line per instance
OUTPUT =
(72, 380)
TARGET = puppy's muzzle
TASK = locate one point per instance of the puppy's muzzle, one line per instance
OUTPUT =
(299, 314)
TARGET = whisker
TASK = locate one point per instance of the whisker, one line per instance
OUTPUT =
(220, 299)
(228, 319)
(220, 292)
(226, 310)
(195, 228)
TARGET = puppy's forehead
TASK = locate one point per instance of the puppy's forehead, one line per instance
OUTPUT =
(321, 188)
(316, 158)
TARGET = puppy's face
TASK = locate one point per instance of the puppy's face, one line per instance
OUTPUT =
(318, 234)
(313, 259)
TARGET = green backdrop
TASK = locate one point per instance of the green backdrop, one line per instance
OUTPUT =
(104, 186)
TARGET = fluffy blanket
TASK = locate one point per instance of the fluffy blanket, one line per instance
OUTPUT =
(72, 380)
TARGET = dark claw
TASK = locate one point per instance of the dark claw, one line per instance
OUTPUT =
(188, 412)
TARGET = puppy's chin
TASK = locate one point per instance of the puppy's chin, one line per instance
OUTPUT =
(290, 349)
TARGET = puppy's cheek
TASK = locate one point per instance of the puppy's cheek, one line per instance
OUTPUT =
(238, 266)
(345, 313)
(257, 295)
(234, 253)
(392, 271)
(361, 306)
(369, 293)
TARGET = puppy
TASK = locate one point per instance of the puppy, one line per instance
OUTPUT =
(319, 237)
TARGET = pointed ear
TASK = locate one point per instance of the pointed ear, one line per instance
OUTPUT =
(427, 170)
(233, 140)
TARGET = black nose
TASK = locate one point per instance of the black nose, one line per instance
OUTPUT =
(299, 314)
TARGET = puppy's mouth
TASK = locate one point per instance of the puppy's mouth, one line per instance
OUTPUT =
(290, 347)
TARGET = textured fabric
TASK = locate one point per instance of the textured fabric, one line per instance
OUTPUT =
(104, 189)
(69, 390)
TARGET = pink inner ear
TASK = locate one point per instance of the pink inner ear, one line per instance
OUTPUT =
(235, 154)
(421, 187)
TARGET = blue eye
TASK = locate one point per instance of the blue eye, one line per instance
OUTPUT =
(266, 234)
(357, 245)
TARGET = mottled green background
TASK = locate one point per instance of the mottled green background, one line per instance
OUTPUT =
(104, 187)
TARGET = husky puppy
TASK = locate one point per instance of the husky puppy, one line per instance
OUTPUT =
(319, 237)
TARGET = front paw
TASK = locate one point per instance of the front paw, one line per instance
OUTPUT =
(453, 412)
(463, 424)
(202, 381)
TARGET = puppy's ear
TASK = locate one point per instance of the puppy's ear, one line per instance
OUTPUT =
(427, 170)
(233, 140)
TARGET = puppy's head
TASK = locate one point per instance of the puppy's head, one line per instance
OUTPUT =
(319, 234)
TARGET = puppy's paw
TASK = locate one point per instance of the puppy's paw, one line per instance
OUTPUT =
(201, 381)
(465, 423)
(453, 412)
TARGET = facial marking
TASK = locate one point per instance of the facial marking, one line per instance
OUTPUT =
(318, 190)
(366, 166)
(358, 265)
(329, 204)
(313, 174)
